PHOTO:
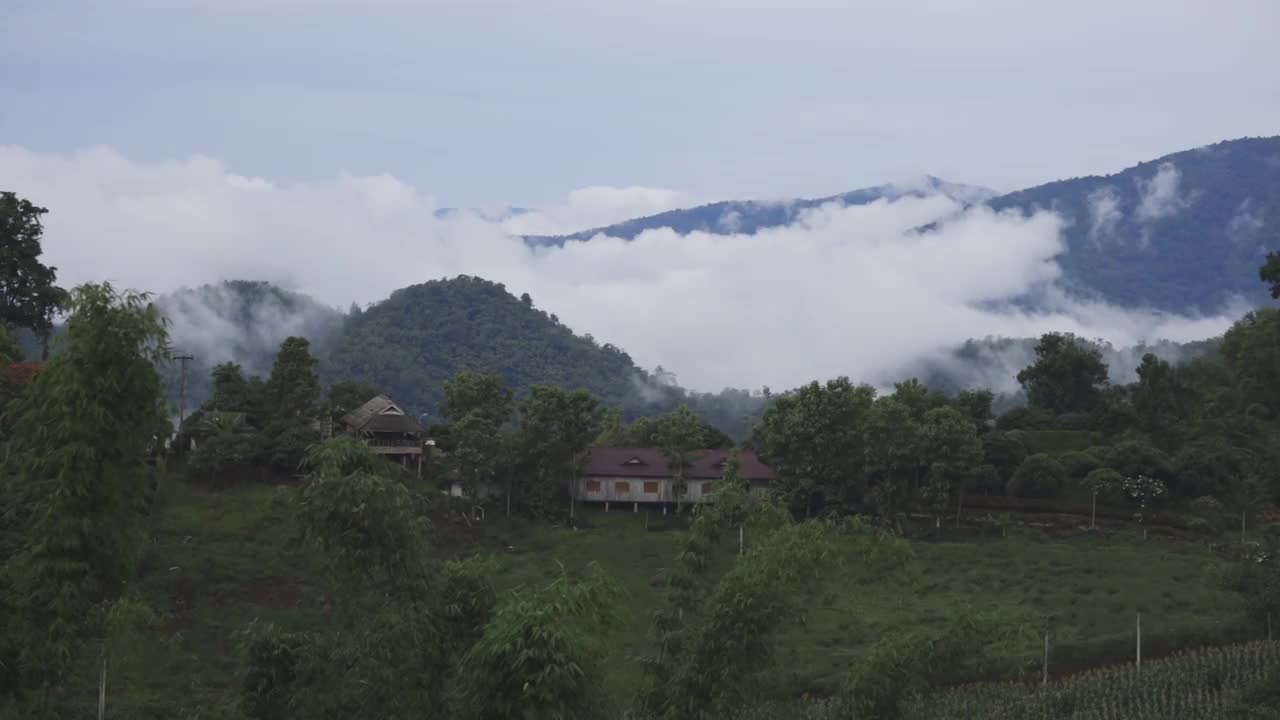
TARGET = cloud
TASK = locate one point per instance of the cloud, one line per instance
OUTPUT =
(594, 207)
(1159, 196)
(1245, 224)
(1104, 213)
(844, 290)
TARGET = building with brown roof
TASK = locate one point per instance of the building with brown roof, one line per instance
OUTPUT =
(388, 430)
(644, 475)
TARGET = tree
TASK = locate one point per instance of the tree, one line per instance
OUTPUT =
(478, 452)
(815, 439)
(227, 445)
(293, 396)
(1067, 376)
(953, 450)
(76, 465)
(976, 405)
(1100, 482)
(556, 428)
(1144, 490)
(1039, 476)
(231, 392)
(1269, 273)
(1160, 401)
(347, 395)
(1004, 451)
(893, 442)
(28, 296)
(483, 393)
(540, 657)
(679, 434)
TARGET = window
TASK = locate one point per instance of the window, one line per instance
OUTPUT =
(621, 487)
(651, 488)
(593, 486)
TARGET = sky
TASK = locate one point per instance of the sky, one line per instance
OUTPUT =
(486, 102)
(310, 142)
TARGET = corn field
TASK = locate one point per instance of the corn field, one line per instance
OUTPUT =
(1203, 684)
(1207, 684)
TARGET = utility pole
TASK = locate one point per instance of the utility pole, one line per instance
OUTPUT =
(182, 388)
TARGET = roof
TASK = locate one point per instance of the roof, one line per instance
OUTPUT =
(650, 462)
(380, 414)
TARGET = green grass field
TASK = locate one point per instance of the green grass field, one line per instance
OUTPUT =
(221, 560)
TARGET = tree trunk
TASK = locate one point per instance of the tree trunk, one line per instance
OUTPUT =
(44, 346)
(959, 506)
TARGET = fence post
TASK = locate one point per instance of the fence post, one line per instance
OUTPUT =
(102, 691)
(1139, 641)
(1045, 679)
(741, 545)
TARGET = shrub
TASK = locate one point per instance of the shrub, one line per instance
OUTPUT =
(1039, 476)
(1078, 463)
(1025, 418)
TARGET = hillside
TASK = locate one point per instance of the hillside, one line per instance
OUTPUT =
(1183, 232)
(414, 341)
(747, 217)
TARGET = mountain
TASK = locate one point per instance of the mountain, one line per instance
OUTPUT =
(748, 216)
(1184, 232)
(414, 341)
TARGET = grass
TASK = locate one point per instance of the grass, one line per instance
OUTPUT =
(220, 560)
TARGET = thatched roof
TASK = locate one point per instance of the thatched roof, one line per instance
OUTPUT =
(380, 414)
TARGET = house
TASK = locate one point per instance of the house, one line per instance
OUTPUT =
(388, 430)
(644, 475)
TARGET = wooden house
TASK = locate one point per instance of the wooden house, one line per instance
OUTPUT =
(388, 430)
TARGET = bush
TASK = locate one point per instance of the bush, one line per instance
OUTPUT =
(1039, 476)
(1135, 457)
(1074, 421)
(1209, 509)
(1025, 418)
(1078, 463)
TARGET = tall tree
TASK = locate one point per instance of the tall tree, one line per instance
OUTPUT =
(28, 296)
(1067, 376)
(1160, 401)
(816, 437)
(953, 451)
(678, 435)
(76, 465)
(293, 397)
(556, 428)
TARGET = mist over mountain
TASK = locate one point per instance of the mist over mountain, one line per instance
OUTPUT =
(747, 217)
(1183, 233)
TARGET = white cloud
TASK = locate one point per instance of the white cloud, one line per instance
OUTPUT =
(1104, 213)
(1245, 224)
(843, 291)
(1159, 196)
(594, 207)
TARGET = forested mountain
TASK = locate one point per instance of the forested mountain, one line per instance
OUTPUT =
(745, 216)
(1182, 232)
(410, 344)
(415, 340)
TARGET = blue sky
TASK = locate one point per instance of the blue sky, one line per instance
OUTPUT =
(516, 102)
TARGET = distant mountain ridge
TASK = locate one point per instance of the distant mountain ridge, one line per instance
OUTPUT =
(1182, 233)
(750, 216)
(1185, 232)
